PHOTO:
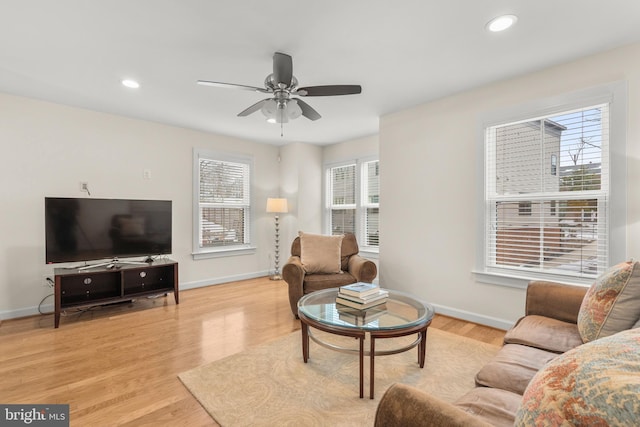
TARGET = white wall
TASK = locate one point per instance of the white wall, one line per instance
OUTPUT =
(428, 157)
(356, 148)
(301, 184)
(47, 149)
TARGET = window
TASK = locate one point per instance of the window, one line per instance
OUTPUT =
(353, 201)
(222, 194)
(343, 199)
(543, 220)
(371, 203)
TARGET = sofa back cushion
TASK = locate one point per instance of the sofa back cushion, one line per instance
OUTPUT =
(612, 304)
(320, 254)
(595, 384)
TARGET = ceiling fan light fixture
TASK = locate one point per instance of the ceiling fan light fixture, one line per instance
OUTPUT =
(269, 110)
(293, 109)
(501, 23)
(281, 115)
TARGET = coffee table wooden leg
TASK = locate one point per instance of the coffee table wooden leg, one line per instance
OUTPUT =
(305, 341)
(422, 347)
(371, 377)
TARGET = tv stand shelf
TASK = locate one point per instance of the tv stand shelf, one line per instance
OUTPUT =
(77, 288)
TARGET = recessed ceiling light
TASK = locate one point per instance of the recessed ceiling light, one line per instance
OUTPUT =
(131, 83)
(501, 23)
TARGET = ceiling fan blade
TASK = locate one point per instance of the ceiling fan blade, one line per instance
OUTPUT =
(233, 86)
(282, 69)
(329, 90)
(308, 111)
(255, 107)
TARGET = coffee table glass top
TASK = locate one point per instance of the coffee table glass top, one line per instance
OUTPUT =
(401, 310)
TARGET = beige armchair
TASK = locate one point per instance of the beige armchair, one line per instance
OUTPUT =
(354, 269)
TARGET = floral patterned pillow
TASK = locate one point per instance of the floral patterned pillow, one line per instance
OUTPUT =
(612, 304)
(595, 384)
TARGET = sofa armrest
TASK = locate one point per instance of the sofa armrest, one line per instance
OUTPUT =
(293, 274)
(362, 269)
(555, 300)
(403, 405)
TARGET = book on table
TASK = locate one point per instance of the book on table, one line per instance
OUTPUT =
(382, 293)
(360, 289)
(361, 305)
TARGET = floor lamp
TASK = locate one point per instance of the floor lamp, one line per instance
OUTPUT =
(277, 206)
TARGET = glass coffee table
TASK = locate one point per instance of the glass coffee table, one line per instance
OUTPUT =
(400, 316)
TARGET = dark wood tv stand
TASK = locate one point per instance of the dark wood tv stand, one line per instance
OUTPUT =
(76, 288)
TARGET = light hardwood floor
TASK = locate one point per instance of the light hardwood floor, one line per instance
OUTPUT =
(118, 365)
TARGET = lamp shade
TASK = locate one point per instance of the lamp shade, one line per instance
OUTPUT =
(277, 205)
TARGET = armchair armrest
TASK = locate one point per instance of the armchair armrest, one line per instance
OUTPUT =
(362, 269)
(555, 300)
(403, 405)
(293, 274)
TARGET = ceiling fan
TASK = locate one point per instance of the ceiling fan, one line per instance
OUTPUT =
(281, 106)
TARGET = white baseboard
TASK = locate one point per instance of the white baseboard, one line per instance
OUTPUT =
(473, 317)
(219, 280)
(25, 312)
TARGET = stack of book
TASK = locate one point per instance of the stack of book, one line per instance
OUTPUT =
(361, 295)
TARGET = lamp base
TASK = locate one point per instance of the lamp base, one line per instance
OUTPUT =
(275, 277)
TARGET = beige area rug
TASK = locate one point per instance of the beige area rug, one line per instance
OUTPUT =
(270, 385)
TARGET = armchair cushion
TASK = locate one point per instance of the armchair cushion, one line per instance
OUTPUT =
(544, 333)
(319, 253)
(612, 304)
(318, 282)
(490, 405)
(513, 367)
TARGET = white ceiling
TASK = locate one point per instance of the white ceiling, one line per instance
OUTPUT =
(403, 53)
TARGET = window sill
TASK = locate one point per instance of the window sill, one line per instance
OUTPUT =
(522, 281)
(367, 253)
(226, 252)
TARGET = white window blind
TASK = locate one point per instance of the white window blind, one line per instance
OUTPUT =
(547, 194)
(353, 201)
(342, 197)
(224, 203)
(371, 203)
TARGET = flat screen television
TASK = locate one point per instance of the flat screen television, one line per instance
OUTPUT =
(86, 229)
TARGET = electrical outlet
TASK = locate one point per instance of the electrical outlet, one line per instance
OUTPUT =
(47, 281)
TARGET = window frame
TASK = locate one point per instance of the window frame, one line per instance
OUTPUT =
(364, 187)
(614, 94)
(360, 205)
(199, 252)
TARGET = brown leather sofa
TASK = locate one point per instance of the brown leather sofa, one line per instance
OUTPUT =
(548, 329)
(354, 269)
